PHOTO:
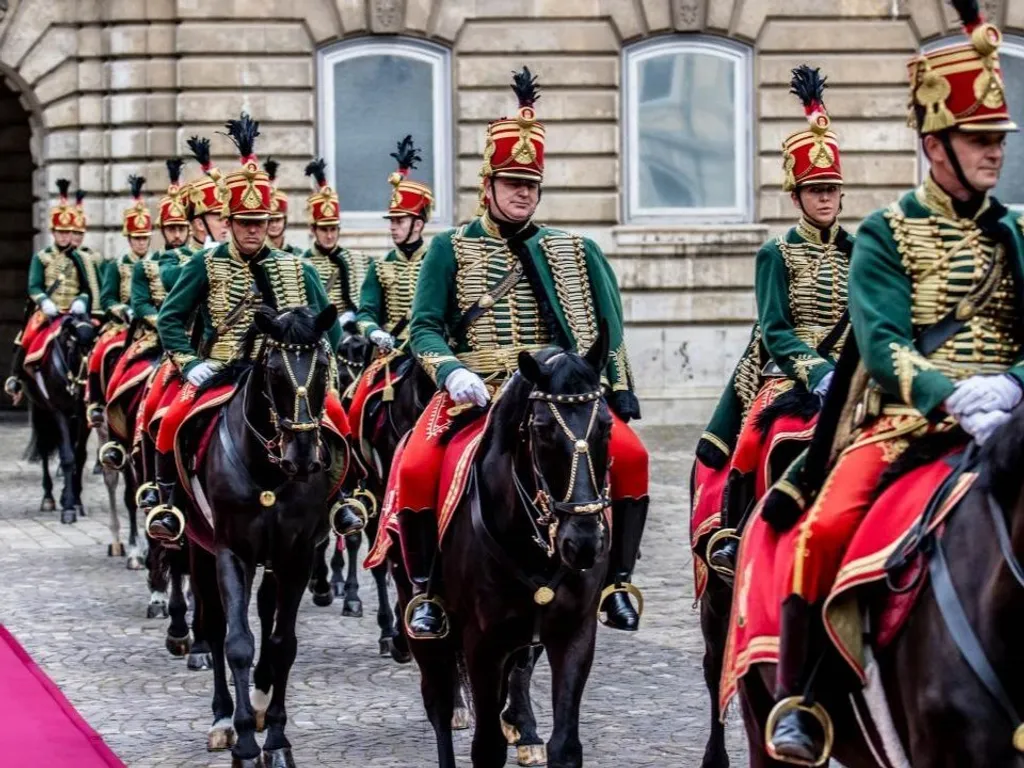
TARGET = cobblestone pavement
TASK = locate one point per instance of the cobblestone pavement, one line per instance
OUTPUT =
(82, 616)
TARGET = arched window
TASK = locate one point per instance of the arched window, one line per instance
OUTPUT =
(687, 145)
(372, 93)
(1010, 189)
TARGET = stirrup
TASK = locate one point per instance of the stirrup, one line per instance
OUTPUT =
(371, 505)
(94, 414)
(357, 505)
(113, 466)
(415, 603)
(815, 710)
(161, 509)
(12, 385)
(719, 536)
(627, 589)
(142, 489)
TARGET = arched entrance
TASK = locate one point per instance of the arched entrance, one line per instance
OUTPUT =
(16, 226)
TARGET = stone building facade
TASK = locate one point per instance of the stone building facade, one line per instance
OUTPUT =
(665, 120)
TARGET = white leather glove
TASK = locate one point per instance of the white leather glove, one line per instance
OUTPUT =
(202, 372)
(382, 339)
(49, 308)
(981, 394)
(346, 317)
(981, 425)
(826, 381)
(466, 387)
(78, 307)
(129, 314)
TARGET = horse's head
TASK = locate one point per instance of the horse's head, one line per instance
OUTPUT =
(73, 343)
(353, 355)
(567, 428)
(295, 376)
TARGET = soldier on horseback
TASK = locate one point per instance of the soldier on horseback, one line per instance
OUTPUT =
(60, 280)
(222, 288)
(935, 305)
(278, 213)
(487, 291)
(800, 284)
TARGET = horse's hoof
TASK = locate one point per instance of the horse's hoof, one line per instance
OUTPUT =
(80, 509)
(221, 736)
(156, 611)
(197, 662)
(68, 516)
(385, 647)
(460, 719)
(353, 608)
(135, 563)
(47, 504)
(260, 702)
(178, 647)
(115, 549)
(247, 762)
(323, 599)
(532, 754)
(511, 733)
(278, 758)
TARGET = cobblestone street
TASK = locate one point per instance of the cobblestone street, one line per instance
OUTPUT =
(82, 615)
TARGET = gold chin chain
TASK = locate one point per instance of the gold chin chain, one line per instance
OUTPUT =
(301, 390)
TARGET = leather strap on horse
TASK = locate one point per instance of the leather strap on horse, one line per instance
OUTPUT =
(488, 300)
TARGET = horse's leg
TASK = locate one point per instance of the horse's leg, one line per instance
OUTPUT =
(570, 656)
(352, 606)
(156, 579)
(438, 674)
(235, 579)
(714, 623)
(68, 514)
(337, 566)
(460, 690)
(115, 549)
(385, 615)
(47, 504)
(136, 554)
(200, 657)
(756, 703)
(319, 586)
(518, 721)
(263, 675)
(81, 434)
(486, 662)
(400, 640)
(203, 569)
(178, 641)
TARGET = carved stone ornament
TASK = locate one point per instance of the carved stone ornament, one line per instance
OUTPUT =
(387, 16)
(688, 14)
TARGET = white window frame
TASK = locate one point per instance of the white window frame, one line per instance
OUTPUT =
(439, 58)
(742, 58)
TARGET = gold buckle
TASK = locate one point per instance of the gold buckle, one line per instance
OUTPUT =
(415, 603)
(356, 504)
(717, 538)
(625, 588)
(113, 445)
(159, 509)
(816, 711)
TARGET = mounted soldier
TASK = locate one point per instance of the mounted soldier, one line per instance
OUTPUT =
(487, 291)
(278, 212)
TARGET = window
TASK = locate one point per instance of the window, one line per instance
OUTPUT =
(372, 93)
(1010, 189)
(687, 146)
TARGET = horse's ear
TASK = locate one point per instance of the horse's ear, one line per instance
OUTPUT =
(326, 319)
(265, 322)
(529, 367)
(597, 355)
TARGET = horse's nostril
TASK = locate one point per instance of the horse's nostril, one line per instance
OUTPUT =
(288, 467)
(314, 467)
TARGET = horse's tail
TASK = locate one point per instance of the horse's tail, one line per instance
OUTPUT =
(45, 434)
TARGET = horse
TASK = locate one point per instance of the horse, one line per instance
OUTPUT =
(56, 394)
(270, 429)
(542, 583)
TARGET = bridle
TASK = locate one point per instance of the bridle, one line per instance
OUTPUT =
(283, 423)
(75, 381)
(543, 507)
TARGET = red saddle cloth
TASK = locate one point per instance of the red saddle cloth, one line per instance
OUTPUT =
(705, 517)
(764, 568)
(41, 335)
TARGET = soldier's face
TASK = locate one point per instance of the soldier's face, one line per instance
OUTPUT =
(175, 235)
(249, 234)
(77, 238)
(139, 244)
(819, 202)
(62, 238)
(406, 229)
(326, 237)
(514, 200)
(275, 229)
(980, 156)
(218, 226)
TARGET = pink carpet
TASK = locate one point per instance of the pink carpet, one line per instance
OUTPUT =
(49, 731)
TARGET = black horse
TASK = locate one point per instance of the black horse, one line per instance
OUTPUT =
(267, 480)
(57, 402)
(526, 556)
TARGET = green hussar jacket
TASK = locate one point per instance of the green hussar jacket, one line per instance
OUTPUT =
(293, 250)
(218, 281)
(148, 290)
(116, 283)
(913, 263)
(388, 290)
(342, 273)
(463, 264)
(62, 277)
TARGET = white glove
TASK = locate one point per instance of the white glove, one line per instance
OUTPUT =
(78, 307)
(346, 318)
(49, 308)
(826, 381)
(382, 339)
(466, 387)
(981, 394)
(202, 373)
(980, 426)
(129, 314)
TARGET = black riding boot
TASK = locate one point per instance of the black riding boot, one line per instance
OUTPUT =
(13, 386)
(425, 616)
(166, 522)
(148, 495)
(94, 410)
(739, 494)
(798, 735)
(628, 519)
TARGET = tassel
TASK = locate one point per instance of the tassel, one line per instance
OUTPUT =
(389, 391)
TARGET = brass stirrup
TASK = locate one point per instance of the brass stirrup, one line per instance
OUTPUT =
(415, 603)
(142, 489)
(357, 505)
(94, 414)
(816, 711)
(372, 507)
(113, 445)
(625, 588)
(160, 509)
(717, 538)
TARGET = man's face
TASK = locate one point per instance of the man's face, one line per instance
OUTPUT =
(175, 235)
(249, 234)
(980, 156)
(218, 227)
(276, 227)
(139, 244)
(326, 236)
(820, 202)
(62, 238)
(406, 229)
(514, 200)
(77, 238)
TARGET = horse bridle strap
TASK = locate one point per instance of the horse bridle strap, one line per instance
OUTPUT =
(301, 390)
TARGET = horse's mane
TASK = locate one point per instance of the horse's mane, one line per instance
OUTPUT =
(796, 402)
